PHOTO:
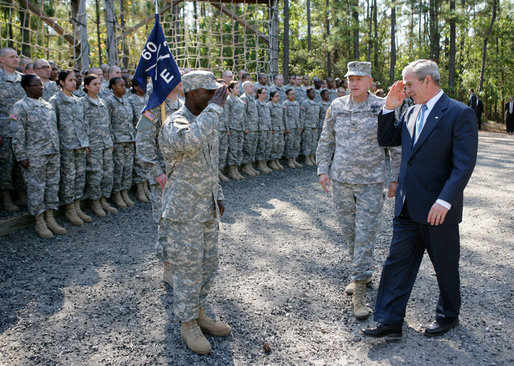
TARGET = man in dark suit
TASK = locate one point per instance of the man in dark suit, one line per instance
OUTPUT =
(439, 146)
(509, 115)
(478, 107)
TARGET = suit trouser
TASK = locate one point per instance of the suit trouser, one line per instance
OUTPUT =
(410, 239)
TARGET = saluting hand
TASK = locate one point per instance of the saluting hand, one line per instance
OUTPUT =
(396, 96)
(220, 96)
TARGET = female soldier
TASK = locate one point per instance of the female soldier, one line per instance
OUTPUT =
(264, 137)
(235, 115)
(277, 126)
(36, 147)
(138, 99)
(294, 129)
(74, 145)
(123, 132)
(99, 167)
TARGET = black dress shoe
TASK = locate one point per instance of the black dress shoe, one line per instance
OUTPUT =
(381, 330)
(436, 329)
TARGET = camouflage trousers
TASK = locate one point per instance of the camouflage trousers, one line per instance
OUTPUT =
(277, 144)
(359, 208)
(192, 250)
(10, 174)
(250, 147)
(263, 146)
(309, 141)
(123, 157)
(42, 180)
(73, 175)
(235, 148)
(99, 170)
(156, 199)
(138, 174)
(223, 143)
(292, 143)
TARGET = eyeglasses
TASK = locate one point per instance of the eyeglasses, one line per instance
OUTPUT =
(42, 67)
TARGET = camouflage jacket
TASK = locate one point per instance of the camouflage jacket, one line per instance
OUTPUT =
(122, 119)
(277, 116)
(79, 93)
(70, 121)
(189, 145)
(292, 112)
(51, 88)
(348, 145)
(10, 92)
(333, 94)
(137, 103)
(98, 122)
(264, 116)
(147, 143)
(281, 91)
(36, 131)
(251, 114)
(235, 113)
(323, 107)
(310, 113)
(301, 94)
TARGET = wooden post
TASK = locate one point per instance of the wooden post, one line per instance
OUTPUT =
(111, 36)
(274, 42)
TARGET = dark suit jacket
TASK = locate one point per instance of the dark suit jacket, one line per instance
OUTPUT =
(472, 101)
(441, 162)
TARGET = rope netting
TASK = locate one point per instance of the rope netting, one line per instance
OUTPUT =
(216, 35)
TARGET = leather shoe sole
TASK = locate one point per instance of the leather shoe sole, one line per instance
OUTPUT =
(382, 330)
(436, 329)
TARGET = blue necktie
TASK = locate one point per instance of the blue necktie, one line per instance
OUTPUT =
(419, 122)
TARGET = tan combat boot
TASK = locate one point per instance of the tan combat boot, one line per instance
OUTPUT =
(140, 193)
(126, 198)
(71, 215)
(263, 167)
(272, 165)
(194, 338)
(7, 201)
(212, 327)
(146, 189)
(52, 224)
(97, 209)
(232, 172)
(222, 176)
(360, 309)
(280, 166)
(298, 165)
(241, 176)
(351, 287)
(83, 216)
(118, 201)
(308, 161)
(107, 207)
(167, 275)
(41, 228)
(255, 171)
(246, 170)
(291, 164)
(313, 159)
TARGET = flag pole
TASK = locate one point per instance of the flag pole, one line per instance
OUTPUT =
(163, 106)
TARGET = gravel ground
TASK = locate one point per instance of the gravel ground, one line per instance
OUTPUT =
(94, 296)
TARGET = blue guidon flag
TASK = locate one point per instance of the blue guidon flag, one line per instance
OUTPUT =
(157, 62)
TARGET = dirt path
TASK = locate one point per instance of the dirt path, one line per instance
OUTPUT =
(94, 296)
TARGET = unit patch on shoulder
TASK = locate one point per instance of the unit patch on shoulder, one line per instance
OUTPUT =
(149, 115)
(13, 116)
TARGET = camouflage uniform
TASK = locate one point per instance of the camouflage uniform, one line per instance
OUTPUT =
(10, 92)
(333, 95)
(188, 229)
(99, 168)
(79, 93)
(51, 89)
(310, 117)
(277, 125)
(263, 152)
(105, 92)
(252, 124)
(37, 140)
(73, 141)
(301, 94)
(137, 103)
(281, 91)
(349, 152)
(223, 131)
(317, 98)
(123, 133)
(293, 123)
(148, 153)
(323, 107)
(265, 87)
(235, 117)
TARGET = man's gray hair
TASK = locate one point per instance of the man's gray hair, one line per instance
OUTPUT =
(226, 73)
(3, 51)
(112, 68)
(422, 68)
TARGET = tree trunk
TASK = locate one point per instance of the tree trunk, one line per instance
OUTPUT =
(484, 48)
(286, 40)
(327, 21)
(393, 43)
(111, 36)
(355, 16)
(274, 44)
(434, 30)
(125, 57)
(451, 61)
(309, 41)
(97, 5)
(369, 13)
(375, 37)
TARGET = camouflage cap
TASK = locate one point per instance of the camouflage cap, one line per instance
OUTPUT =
(199, 79)
(359, 68)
